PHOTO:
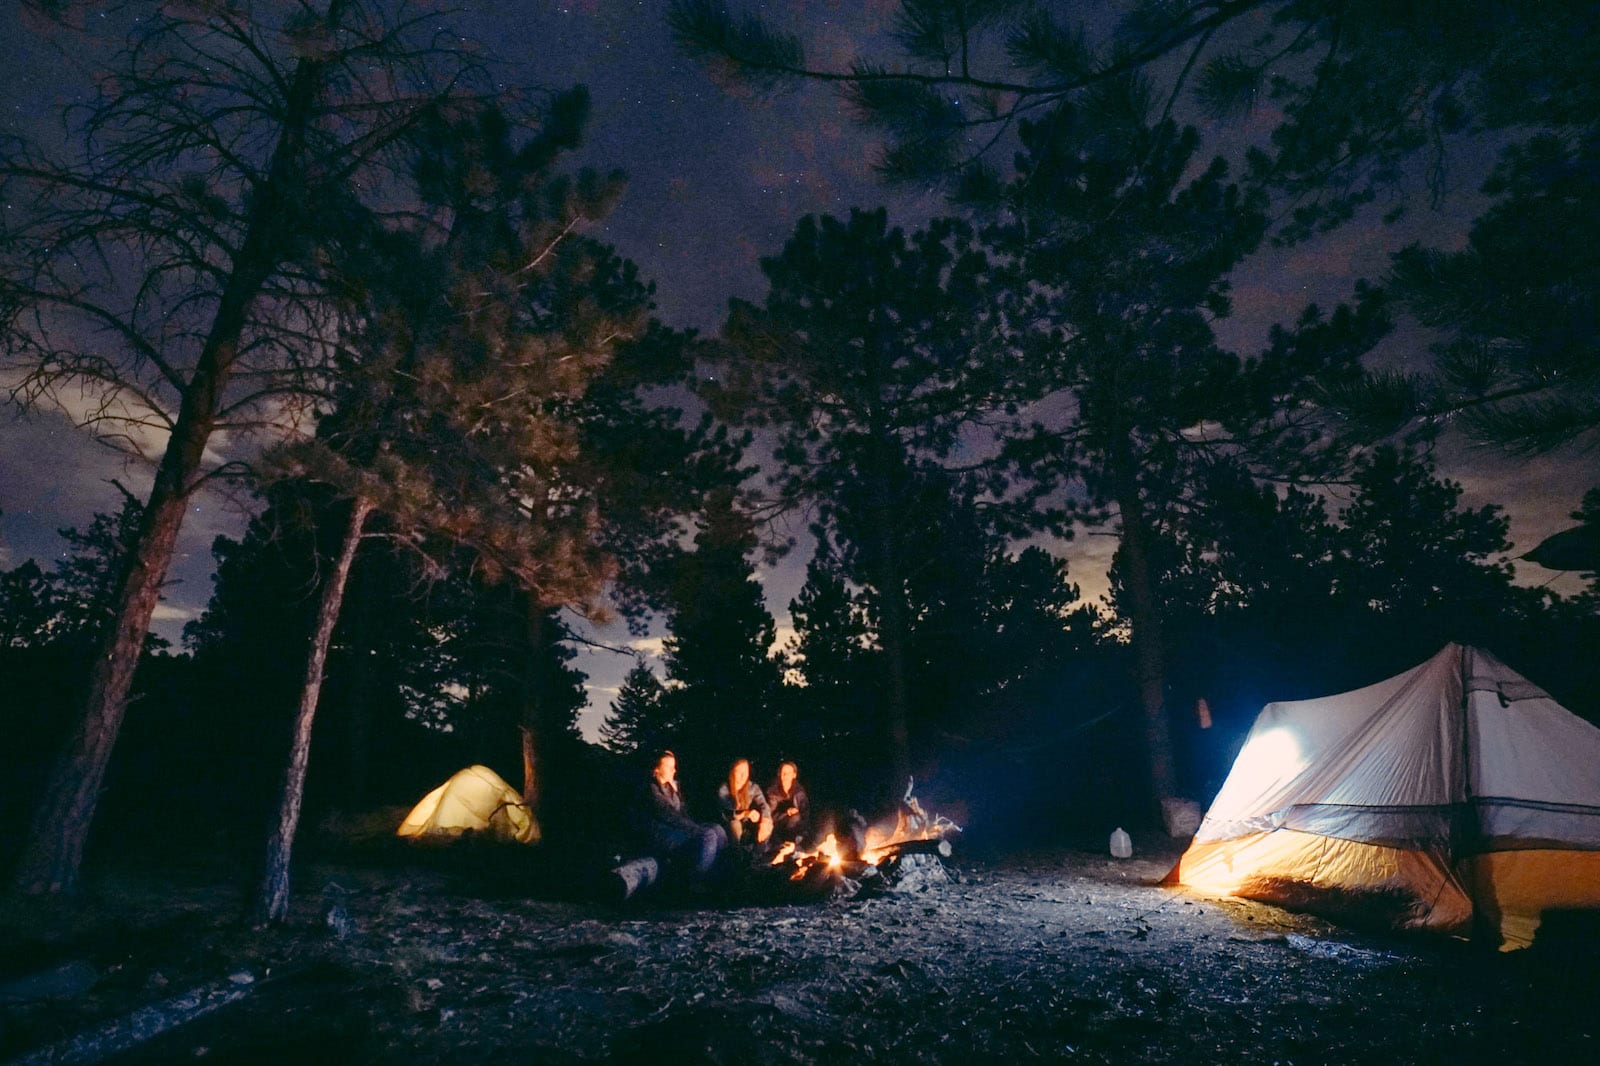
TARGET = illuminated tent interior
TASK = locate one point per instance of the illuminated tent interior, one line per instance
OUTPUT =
(1457, 797)
(475, 800)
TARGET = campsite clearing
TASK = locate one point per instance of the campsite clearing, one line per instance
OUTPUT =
(1064, 955)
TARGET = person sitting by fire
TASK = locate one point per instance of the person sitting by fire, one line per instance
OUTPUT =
(791, 807)
(673, 836)
(744, 808)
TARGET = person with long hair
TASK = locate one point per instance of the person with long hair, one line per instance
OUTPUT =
(791, 807)
(745, 813)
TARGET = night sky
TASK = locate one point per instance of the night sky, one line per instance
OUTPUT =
(717, 179)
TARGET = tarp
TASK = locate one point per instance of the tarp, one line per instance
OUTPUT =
(1454, 795)
(475, 800)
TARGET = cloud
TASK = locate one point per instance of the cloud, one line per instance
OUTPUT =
(49, 467)
(114, 416)
(653, 647)
(591, 718)
(1538, 494)
(166, 612)
(782, 635)
(54, 476)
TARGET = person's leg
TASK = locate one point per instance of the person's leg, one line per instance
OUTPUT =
(713, 838)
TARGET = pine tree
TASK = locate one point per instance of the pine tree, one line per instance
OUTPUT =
(867, 360)
(72, 605)
(1363, 100)
(194, 238)
(828, 718)
(455, 422)
(1412, 554)
(1033, 621)
(637, 722)
(721, 677)
(1112, 321)
(27, 607)
(1518, 363)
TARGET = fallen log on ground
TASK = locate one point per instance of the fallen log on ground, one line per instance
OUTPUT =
(67, 980)
(932, 846)
(144, 1024)
(633, 877)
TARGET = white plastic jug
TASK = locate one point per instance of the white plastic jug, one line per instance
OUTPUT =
(1121, 844)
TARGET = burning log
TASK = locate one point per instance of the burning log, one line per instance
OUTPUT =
(927, 846)
(913, 825)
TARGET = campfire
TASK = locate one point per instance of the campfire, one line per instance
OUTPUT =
(915, 841)
(900, 856)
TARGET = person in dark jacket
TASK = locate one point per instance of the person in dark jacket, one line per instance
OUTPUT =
(744, 808)
(791, 807)
(673, 835)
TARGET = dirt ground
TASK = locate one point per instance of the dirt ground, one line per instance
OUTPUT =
(1066, 956)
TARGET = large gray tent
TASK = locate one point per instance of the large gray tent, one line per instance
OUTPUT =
(1455, 794)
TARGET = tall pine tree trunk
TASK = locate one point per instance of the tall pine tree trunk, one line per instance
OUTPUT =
(273, 901)
(1149, 642)
(531, 726)
(894, 640)
(52, 859)
(892, 613)
(53, 856)
(362, 630)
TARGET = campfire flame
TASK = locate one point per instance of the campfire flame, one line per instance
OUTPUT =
(825, 852)
(911, 823)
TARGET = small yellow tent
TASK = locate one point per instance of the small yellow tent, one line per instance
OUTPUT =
(474, 800)
(1457, 794)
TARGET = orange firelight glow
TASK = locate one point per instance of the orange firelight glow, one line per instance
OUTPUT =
(827, 851)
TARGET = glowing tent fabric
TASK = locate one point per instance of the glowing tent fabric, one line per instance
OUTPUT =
(475, 800)
(1455, 794)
